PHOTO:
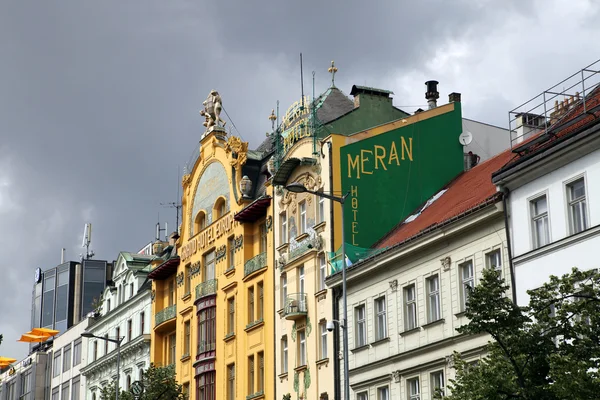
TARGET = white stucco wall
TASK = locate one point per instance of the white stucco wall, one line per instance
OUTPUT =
(67, 340)
(418, 353)
(534, 266)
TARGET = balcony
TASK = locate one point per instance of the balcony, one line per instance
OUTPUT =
(296, 306)
(206, 288)
(255, 263)
(166, 314)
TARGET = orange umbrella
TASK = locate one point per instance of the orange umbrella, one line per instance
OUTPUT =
(28, 338)
(7, 361)
(43, 332)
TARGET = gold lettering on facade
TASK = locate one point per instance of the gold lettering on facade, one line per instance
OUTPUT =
(353, 163)
(404, 146)
(363, 160)
(354, 205)
(381, 154)
(207, 237)
(393, 154)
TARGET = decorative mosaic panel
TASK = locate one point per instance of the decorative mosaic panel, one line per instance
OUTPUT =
(212, 184)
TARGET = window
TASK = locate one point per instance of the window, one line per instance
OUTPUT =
(75, 388)
(187, 288)
(186, 339)
(93, 396)
(301, 279)
(302, 217)
(142, 322)
(410, 308)
(284, 355)
(283, 281)
(361, 325)
(383, 393)
(259, 310)
(64, 393)
(539, 222)
(140, 374)
(251, 304)
(55, 393)
(106, 344)
(207, 330)
(209, 266)
(131, 290)
(199, 222)
(220, 208)
(231, 382)
(77, 352)
(283, 227)
(437, 382)
(185, 390)
(493, 260)
(118, 333)
(321, 210)
(362, 396)
(433, 298)
(414, 392)
(108, 305)
(205, 389)
(11, 391)
(231, 315)
(301, 348)
(25, 385)
(578, 219)
(231, 257)
(172, 348)
(129, 330)
(56, 364)
(128, 382)
(171, 292)
(95, 351)
(381, 319)
(322, 272)
(261, 371)
(251, 375)
(262, 231)
(466, 278)
(67, 358)
(323, 340)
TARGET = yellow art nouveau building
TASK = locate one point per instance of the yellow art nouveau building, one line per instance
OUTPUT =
(213, 305)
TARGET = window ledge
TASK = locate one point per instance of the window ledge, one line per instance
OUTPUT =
(186, 296)
(185, 358)
(283, 376)
(433, 323)
(229, 271)
(385, 339)
(301, 368)
(323, 361)
(460, 314)
(361, 348)
(283, 247)
(257, 395)
(301, 237)
(408, 332)
(320, 225)
(280, 312)
(229, 336)
(321, 295)
(254, 325)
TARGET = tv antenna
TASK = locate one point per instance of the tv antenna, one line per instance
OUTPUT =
(87, 239)
(159, 230)
(175, 204)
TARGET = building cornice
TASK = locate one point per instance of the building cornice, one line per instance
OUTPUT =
(139, 299)
(138, 343)
(360, 269)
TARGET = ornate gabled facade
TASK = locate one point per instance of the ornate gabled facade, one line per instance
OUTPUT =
(124, 312)
(219, 333)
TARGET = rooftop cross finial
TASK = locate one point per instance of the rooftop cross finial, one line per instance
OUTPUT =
(273, 117)
(332, 70)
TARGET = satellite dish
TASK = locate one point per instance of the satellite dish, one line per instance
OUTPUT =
(465, 138)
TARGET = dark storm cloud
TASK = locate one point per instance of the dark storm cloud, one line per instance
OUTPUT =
(99, 100)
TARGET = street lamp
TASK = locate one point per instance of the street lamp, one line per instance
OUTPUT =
(300, 188)
(117, 341)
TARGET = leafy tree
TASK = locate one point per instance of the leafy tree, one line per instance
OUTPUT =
(549, 350)
(159, 384)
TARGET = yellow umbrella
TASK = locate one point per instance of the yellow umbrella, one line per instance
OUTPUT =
(43, 332)
(7, 361)
(28, 338)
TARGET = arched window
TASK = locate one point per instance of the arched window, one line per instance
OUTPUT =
(220, 208)
(200, 222)
(128, 386)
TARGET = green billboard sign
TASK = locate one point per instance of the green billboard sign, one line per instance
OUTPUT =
(391, 174)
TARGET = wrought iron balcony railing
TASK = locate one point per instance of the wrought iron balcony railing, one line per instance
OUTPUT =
(165, 314)
(206, 288)
(296, 306)
(255, 263)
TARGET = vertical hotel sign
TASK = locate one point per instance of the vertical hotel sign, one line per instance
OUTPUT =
(389, 175)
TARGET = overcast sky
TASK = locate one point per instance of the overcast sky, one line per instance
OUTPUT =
(99, 100)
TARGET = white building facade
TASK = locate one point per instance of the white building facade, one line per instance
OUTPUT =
(69, 354)
(405, 304)
(27, 379)
(553, 189)
(125, 313)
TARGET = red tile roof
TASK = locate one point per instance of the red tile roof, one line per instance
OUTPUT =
(465, 193)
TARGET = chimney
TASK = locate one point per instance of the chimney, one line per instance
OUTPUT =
(432, 93)
(62, 255)
(454, 97)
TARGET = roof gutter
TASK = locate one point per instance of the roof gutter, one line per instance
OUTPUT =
(513, 283)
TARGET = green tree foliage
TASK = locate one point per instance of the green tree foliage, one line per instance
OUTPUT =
(159, 384)
(549, 350)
